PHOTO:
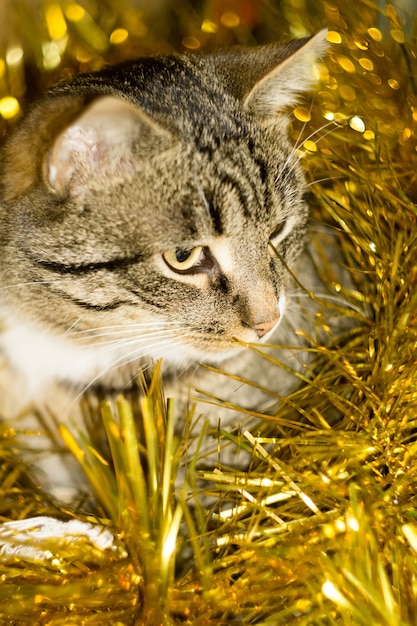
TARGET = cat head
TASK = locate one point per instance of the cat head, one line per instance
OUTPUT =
(159, 202)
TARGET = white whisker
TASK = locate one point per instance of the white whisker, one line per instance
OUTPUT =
(316, 132)
(28, 284)
(201, 193)
(73, 325)
(297, 145)
(131, 327)
(127, 359)
(324, 180)
(109, 345)
(298, 294)
(118, 338)
(303, 127)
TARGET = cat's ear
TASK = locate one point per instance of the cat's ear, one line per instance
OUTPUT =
(269, 79)
(103, 141)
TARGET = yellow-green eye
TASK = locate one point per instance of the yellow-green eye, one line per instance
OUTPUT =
(181, 260)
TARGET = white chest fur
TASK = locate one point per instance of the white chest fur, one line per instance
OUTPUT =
(42, 358)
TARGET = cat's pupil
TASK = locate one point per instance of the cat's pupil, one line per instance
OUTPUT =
(182, 255)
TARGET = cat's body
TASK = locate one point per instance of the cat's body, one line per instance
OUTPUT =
(150, 211)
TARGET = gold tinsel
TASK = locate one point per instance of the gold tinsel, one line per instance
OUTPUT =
(322, 529)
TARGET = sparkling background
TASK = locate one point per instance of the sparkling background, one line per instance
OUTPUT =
(323, 530)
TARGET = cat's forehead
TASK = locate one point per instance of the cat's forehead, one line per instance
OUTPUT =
(198, 196)
(181, 93)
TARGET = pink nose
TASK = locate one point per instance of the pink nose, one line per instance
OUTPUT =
(263, 328)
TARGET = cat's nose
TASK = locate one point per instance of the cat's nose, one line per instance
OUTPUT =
(262, 328)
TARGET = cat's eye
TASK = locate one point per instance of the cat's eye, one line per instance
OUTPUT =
(182, 260)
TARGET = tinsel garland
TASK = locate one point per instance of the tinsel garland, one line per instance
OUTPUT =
(322, 527)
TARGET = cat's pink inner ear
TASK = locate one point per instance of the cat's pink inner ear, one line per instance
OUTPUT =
(75, 146)
(101, 142)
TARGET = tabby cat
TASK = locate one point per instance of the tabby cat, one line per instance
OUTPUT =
(151, 210)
